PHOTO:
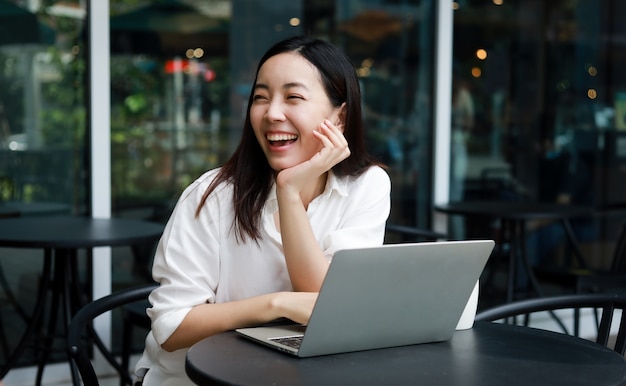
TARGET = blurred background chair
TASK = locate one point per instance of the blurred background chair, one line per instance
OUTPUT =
(605, 302)
(585, 279)
(409, 234)
(7, 297)
(77, 346)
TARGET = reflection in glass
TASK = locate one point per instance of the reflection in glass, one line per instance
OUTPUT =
(547, 81)
(43, 126)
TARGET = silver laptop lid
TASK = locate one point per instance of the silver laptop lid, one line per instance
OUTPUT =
(394, 295)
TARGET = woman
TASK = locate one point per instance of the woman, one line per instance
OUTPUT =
(250, 242)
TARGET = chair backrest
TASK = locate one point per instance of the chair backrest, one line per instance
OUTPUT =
(84, 317)
(608, 303)
(412, 234)
(619, 253)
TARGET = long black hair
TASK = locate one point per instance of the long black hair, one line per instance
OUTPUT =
(248, 170)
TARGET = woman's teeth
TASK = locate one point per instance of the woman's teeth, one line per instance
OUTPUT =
(281, 139)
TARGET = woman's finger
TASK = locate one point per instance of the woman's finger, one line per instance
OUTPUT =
(334, 133)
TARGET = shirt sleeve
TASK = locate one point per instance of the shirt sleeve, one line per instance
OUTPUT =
(186, 262)
(362, 223)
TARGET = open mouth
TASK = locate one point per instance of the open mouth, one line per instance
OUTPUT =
(281, 139)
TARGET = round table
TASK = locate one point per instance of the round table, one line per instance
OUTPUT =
(488, 354)
(61, 237)
(514, 215)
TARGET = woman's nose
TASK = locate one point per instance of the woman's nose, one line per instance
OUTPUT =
(275, 111)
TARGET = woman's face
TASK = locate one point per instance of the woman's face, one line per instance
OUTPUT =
(288, 104)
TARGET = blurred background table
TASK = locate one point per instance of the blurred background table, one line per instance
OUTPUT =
(514, 216)
(60, 237)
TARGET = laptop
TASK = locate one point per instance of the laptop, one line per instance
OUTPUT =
(386, 296)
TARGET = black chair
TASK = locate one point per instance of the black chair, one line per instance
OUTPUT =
(608, 303)
(585, 279)
(133, 315)
(82, 322)
(8, 297)
(413, 234)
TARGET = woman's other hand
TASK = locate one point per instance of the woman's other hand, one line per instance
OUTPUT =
(296, 306)
(334, 149)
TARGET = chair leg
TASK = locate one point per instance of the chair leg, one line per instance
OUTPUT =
(4, 342)
(620, 342)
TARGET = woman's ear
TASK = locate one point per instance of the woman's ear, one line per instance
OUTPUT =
(341, 116)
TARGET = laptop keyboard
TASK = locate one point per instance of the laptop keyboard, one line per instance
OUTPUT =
(290, 341)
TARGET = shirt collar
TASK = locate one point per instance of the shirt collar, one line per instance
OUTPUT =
(334, 183)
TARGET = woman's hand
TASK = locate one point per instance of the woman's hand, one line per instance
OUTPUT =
(296, 306)
(334, 146)
(334, 150)
(252, 311)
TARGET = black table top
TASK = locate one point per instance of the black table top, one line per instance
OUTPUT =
(75, 232)
(488, 354)
(515, 210)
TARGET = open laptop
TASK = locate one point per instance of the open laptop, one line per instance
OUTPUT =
(386, 296)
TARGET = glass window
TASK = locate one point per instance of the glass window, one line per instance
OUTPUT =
(42, 106)
(43, 126)
(538, 113)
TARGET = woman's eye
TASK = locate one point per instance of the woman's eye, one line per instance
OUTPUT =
(258, 97)
(294, 97)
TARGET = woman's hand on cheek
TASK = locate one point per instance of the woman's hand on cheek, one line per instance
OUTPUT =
(334, 146)
(334, 150)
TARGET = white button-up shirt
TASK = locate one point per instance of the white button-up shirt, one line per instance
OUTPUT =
(199, 260)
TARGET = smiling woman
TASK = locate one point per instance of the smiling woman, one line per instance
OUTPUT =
(250, 242)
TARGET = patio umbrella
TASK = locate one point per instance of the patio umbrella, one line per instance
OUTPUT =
(20, 26)
(168, 28)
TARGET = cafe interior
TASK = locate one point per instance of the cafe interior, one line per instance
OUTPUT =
(110, 108)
